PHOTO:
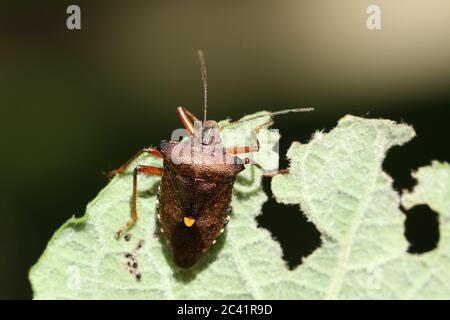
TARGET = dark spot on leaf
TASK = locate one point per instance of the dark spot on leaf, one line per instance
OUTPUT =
(140, 244)
(138, 276)
(421, 229)
(127, 237)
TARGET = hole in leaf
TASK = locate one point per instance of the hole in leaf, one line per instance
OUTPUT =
(298, 237)
(400, 161)
(421, 229)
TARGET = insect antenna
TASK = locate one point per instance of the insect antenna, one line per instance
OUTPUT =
(271, 114)
(201, 58)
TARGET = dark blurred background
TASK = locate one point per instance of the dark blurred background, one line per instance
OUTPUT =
(75, 104)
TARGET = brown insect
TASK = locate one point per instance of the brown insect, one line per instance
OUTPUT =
(194, 197)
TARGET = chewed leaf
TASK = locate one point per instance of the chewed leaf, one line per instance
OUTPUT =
(84, 260)
(336, 179)
(432, 270)
(433, 189)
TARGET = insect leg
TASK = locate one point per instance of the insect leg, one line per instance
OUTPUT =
(190, 114)
(274, 173)
(187, 118)
(122, 168)
(248, 149)
(134, 213)
(266, 174)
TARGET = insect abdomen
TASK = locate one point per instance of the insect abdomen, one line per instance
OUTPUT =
(210, 200)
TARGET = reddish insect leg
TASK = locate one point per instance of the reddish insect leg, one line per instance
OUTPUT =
(122, 168)
(187, 118)
(248, 149)
(239, 150)
(134, 213)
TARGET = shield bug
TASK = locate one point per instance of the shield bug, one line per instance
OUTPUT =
(197, 177)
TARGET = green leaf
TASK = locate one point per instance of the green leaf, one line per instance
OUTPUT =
(338, 181)
(431, 271)
(84, 260)
(336, 178)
